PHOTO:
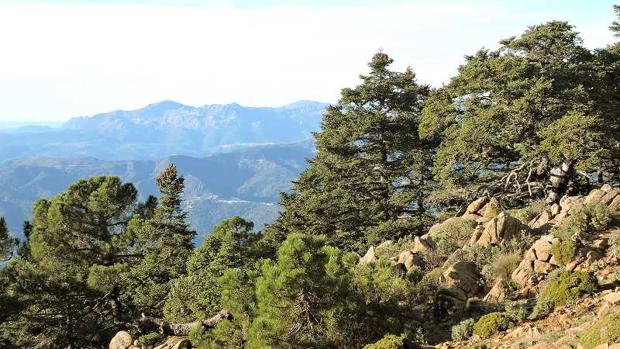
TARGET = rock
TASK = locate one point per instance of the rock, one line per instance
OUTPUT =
(543, 218)
(476, 234)
(594, 196)
(122, 340)
(615, 204)
(400, 270)
(421, 245)
(609, 197)
(491, 209)
(497, 229)
(612, 298)
(476, 205)
(409, 260)
(497, 293)
(536, 262)
(175, 343)
(439, 227)
(462, 276)
(384, 244)
(369, 258)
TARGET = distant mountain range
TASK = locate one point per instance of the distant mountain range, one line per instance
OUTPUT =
(163, 129)
(244, 182)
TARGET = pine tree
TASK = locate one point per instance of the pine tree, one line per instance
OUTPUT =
(164, 241)
(197, 295)
(371, 168)
(519, 121)
(7, 243)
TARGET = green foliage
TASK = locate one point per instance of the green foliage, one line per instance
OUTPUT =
(390, 341)
(529, 212)
(197, 295)
(150, 340)
(564, 251)
(517, 309)
(502, 266)
(523, 109)
(605, 330)
(7, 243)
(463, 330)
(590, 218)
(566, 287)
(164, 241)
(542, 308)
(492, 323)
(371, 166)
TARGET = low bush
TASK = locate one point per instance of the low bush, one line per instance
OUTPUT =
(452, 234)
(566, 287)
(149, 340)
(502, 265)
(527, 213)
(517, 310)
(463, 330)
(491, 324)
(564, 251)
(590, 218)
(390, 341)
(605, 330)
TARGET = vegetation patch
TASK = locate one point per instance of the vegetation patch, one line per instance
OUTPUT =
(491, 324)
(606, 330)
(463, 330)
(566, 287)
(564, 251)
(390, 341)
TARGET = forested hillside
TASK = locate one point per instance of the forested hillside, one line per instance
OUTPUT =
(244, 182)
(478, 214)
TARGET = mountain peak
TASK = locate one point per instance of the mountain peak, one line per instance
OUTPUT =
(165, 105)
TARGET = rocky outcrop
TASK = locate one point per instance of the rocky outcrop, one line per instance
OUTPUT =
(482, 209)
(497, 293)
(537, 263)
(463, 278)
(122, 340)
(369, 258)
(556, 213)
(500, 228)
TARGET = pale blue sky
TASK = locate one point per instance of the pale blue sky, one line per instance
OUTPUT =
(66, 58)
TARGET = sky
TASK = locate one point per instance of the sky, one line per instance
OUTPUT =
(66, 58)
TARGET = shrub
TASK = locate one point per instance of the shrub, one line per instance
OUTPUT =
(463, 330)
(452, 234)
(491, 324)
(149, 340)
(566, 287)
(605, 330)
(590, 218)
(564, 251)
(542, 308)
(390, 341)
(503, 265)
(527, 213)
(517, 310)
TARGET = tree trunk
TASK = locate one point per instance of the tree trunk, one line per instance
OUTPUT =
(150, 324)
(558, 182)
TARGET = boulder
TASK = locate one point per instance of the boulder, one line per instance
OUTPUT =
(369, 258)
(497, 294)
(439, 227)
(497, 229)
(421, 244)
(122, 340)
(409, 260)
(476, 205)
(491, 209)
(462, 278)
(536, 263)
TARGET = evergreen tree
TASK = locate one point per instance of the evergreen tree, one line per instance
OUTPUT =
(371, 168)
(7, 243)
(197, 295)
(73, 234)
(519, 121)
(164, 240)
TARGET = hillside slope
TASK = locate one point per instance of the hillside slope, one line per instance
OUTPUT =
(245, 182)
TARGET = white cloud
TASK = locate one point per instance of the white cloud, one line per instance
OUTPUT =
(58, 61)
